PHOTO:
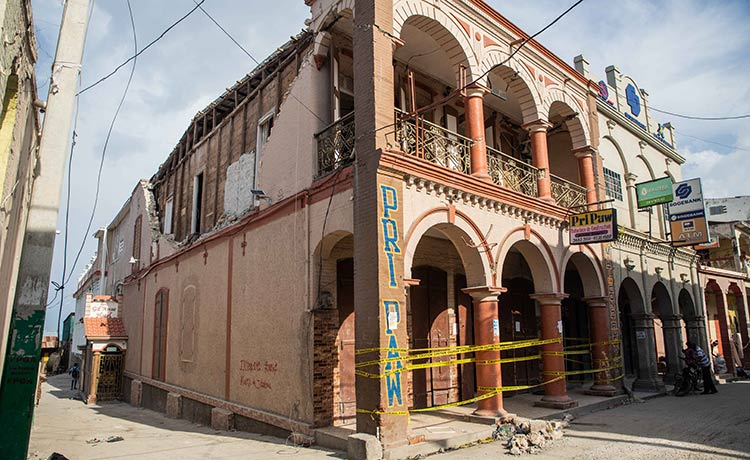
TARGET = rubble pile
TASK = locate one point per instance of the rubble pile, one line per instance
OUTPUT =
(526, 436)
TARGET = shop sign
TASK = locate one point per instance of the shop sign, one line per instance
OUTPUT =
(593, 227)
(654, 192)
(687, 214)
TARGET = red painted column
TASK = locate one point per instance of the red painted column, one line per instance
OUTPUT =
(540, 157)
(599, 319)
(474, 106)
(586, 171)
(487, 332)
(555, 394)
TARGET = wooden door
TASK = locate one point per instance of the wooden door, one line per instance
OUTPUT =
(430, 329)
(345, 302)
(518, 321)
(465, 311)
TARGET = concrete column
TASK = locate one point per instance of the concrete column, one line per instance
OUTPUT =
(585, 158)
(599, 321)
(630, 180)
(648, 378)
(556, 393)
(540, 157)
(91, 399)
(673, 344)
(696, 331)
(222, 419)
(487, 332)
(379, 297)
(474, 104)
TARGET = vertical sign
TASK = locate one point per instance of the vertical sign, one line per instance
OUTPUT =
(687, 214)
(392, 290)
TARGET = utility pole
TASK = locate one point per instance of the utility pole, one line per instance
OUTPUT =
(19, 378)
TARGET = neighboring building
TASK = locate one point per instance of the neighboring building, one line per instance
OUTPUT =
(725, 278)
(19, 138)
(655, 285)
(122, 247)
(453, 213)
(67, 340)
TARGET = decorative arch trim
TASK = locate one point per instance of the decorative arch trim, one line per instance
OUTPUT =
(550, 258)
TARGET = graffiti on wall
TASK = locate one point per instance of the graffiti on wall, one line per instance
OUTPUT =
(392, 308)
(255, 373)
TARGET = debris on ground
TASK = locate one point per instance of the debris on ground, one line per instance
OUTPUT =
(107, 439)
(528, 436)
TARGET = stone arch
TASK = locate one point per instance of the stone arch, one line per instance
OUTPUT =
(460, 231)
(521, 83)
(577, 118)
(538, 256)
(648, 166)
(589, 270)
(618, 149)
(686, 304)
(661, 300)
(629, 287)
(444, 29)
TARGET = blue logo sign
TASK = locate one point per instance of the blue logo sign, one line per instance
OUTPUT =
(634, 101)
(603, 90)
(683, 191)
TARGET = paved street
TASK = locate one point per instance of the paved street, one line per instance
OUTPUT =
(666, 428)
(694, 427)
(64, 425)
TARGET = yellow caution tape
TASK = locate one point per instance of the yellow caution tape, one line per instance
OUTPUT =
(461, 350)
(453, 362)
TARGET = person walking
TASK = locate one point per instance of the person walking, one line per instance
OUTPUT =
(74, 372)
(705, 364)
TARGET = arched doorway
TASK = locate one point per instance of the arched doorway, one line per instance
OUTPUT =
(519, 318)
(333, 325)
(692, 328)
(718, 325)
(440, 314)
(667, 333)
(638, 344)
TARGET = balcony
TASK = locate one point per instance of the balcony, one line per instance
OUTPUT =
(336, 145)
(430, 142)
(567, 194)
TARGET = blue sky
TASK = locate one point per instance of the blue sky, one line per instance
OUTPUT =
(692, 56)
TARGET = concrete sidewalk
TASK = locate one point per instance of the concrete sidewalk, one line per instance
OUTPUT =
(63, 425)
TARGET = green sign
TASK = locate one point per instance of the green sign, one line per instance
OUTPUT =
(654, 192)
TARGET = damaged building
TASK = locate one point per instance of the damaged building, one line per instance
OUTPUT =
(384, 183)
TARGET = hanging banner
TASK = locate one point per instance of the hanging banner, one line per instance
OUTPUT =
(687, 214)
(654, 192)
(593, 227)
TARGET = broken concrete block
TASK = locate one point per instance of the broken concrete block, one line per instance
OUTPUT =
(362, 446)
(537, 439)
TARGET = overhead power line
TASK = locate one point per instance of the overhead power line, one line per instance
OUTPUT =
(198, 5)
(528, 39)
(104, 149)
(133, 57)
(735, 147)
(690, 117)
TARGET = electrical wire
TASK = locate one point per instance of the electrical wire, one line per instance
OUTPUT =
(198, 5)
(476, 80)
(528, 39)
(690, 117)
(745, 149)
(138, 53)
(106, 144)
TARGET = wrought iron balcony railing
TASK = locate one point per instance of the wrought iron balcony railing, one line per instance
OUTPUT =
(336, 145)
(421, 138)
(566, 193)
(512, 173)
